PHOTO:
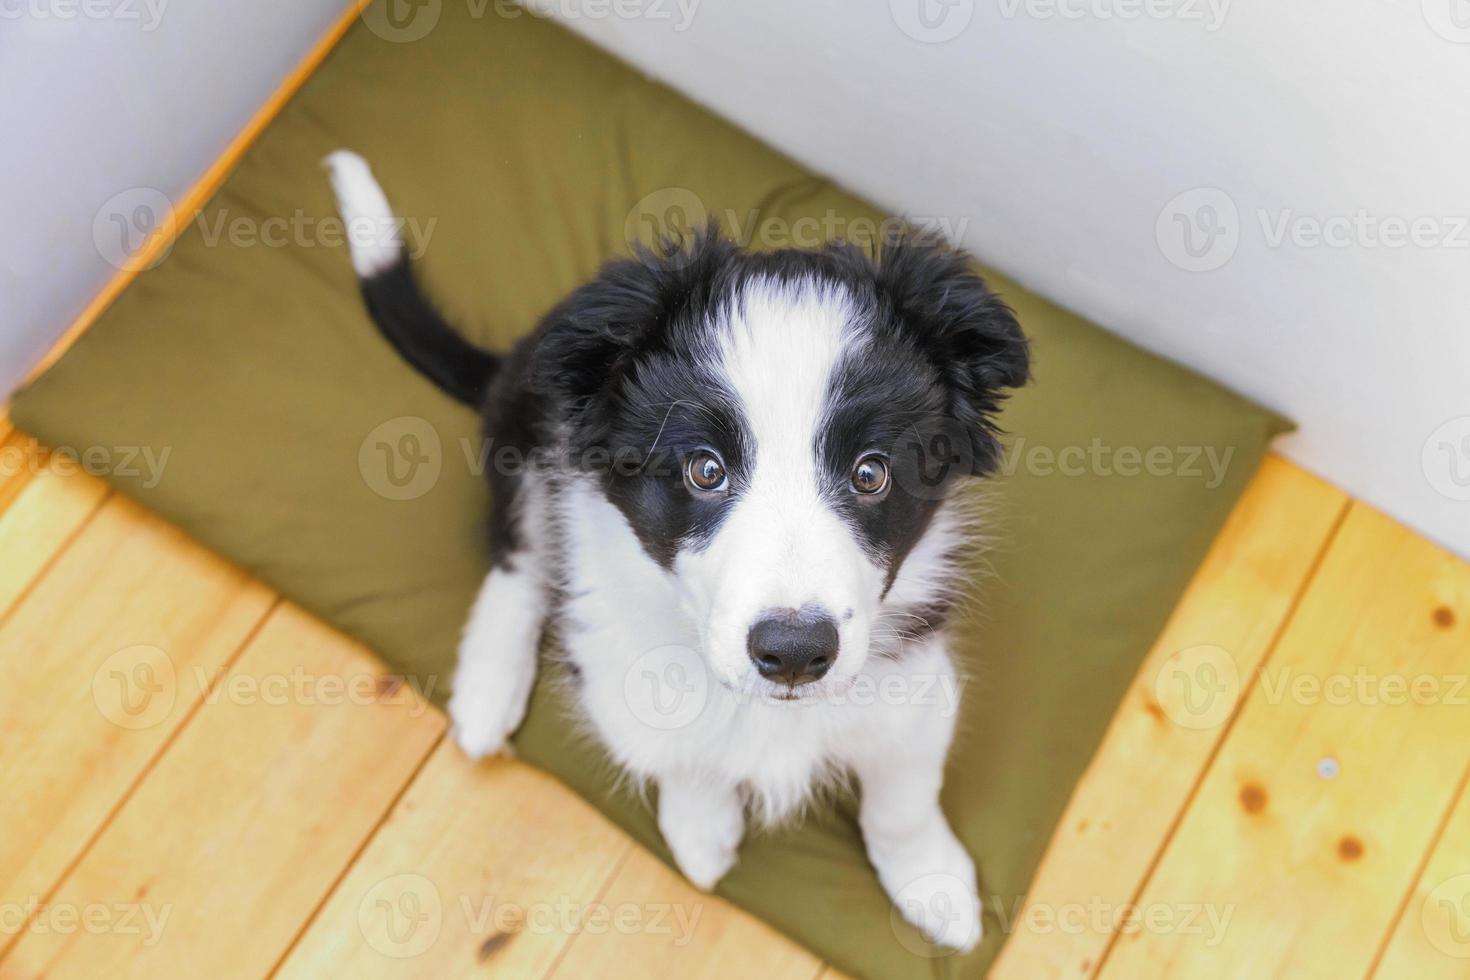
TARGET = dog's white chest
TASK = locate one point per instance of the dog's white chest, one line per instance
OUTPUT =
(646, 691)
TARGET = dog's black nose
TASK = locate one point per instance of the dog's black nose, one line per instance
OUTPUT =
(793, 645)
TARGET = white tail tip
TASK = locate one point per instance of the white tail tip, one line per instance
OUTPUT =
(374, 235)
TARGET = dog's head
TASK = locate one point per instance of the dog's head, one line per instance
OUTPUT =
(782, 430)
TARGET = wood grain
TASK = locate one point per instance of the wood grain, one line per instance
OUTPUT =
(1150, 760)
(1309, 825)
(260, 834)
(42, 506)
(481, 869)
(99, 662)
(1432, 938)
(241, 829)
(246, 822)
(679, 933)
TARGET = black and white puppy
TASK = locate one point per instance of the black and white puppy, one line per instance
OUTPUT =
(735, 502)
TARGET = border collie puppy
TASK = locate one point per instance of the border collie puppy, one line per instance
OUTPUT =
(737, 523)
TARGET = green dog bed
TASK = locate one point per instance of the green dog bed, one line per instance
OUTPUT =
(303, 448)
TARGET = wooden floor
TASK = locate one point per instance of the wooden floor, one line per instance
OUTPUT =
(199, 780)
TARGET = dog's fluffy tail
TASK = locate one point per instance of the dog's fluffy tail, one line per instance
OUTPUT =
(403, 314)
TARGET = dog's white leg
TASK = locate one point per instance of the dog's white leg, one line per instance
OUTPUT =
(921, 864)
(702, 824)
(497, 657)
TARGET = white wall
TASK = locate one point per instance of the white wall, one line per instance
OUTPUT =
(106, 105)
(1060, 133)
(1063, 131)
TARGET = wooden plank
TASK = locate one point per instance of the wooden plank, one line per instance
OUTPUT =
(674, 931)
(42, 506)
(1432, 938)
(18, 465)
(241, 828)
(1308, 828)
(1156, 746)
(132, 601)
(481, 869)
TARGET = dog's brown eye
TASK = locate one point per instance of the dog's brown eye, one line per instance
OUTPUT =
(870, 475)
(705, 472)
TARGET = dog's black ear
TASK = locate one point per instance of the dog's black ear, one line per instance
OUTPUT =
(968, 333)
(595, 337)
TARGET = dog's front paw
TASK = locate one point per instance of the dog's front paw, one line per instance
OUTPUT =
(702, 857)
(945, 909)
(932, 884)
(483, 715)
(703, 828)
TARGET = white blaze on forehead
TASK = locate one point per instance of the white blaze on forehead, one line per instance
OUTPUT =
(783, 544)
(779, 348)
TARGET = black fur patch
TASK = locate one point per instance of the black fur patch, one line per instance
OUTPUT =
(622, 378)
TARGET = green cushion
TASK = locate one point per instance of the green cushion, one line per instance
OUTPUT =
(523, 155)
